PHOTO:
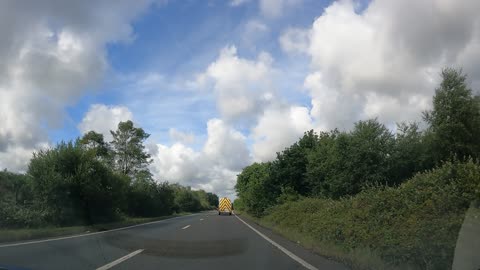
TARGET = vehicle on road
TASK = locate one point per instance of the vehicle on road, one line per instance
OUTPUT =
(225, 206)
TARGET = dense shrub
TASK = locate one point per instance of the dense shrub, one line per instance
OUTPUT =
(74, 187)
(416, 223)
(18, 216)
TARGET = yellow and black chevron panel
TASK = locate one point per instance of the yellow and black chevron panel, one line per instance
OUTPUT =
(225, 205)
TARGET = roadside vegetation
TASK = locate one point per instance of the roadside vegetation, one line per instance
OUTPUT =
(373, 198)
(88, 181)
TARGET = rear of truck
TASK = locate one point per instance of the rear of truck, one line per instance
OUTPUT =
(225, 206)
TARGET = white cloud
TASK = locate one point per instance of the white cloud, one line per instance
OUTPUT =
(294, 40)
(52, 52)
(384, 62)
(226, 146)
(278, 128)
(242, 87)
(182, 137)
(102, 118)
(214, 168)
(15, 158)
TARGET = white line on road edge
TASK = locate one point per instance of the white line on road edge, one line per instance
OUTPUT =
(122, 259)
(284, 250)
(185, 227)
(89, 234)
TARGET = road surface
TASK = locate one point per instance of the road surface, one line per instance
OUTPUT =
(199, 241)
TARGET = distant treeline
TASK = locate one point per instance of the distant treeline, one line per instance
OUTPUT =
(91, 181)
(351, 189)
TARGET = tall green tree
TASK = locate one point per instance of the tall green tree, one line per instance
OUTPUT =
(454, 121)
(288, 170)
(130, 156)
(256, 188)
(344, 163)
(410, 154)
(95, 142)
(212, 199)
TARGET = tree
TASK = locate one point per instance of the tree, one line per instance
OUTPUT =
(186, 201)
(371, 151)
(95, 142)
(212, 199)
(256, 188)
(344, 163)
(454, 121)
(409, 155)
(289, 169)
(320, 162)
(73, 187)
(129, 152)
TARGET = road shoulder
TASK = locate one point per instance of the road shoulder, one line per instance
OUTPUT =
(312, 258)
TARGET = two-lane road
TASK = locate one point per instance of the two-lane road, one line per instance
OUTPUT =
(198, 241)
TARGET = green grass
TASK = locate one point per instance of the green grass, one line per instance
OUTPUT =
(14, 235)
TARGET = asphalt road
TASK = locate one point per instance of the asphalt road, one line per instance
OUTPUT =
(200, 241)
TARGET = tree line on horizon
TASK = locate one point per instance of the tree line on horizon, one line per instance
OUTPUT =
(89, 181)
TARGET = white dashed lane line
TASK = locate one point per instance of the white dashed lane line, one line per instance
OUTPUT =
(185, 227)
(122, 259)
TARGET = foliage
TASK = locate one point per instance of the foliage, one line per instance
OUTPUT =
(256, 189)
(212, 200)
(129, 151)
(415, 224)
(149, 199)
(454, 121)
(289, 169)
(74, 187)
(75, 183)
(186, 200)
(94, 141)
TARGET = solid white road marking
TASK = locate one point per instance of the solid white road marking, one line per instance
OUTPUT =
(122, 259)
(185, 227)
(284, 250)
(88, 234)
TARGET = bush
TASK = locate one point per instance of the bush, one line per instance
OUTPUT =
(415, 224)
(73, 187)
(18, 216)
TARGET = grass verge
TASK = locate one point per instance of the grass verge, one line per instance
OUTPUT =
(356, 258)
(412, 226)
(15, 235)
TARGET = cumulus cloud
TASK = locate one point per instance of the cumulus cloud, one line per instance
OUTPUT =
(182, 137)
(102, 118)
(278, 128)
(384, 61)
(225, 146)
(51, 51)
(213, 168)
(243, 87)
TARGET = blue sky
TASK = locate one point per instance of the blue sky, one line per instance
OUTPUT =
(178, 40)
